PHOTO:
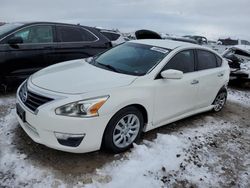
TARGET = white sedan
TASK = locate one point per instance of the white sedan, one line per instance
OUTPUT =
(109, 100)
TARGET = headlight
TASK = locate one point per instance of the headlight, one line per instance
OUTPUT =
(84, 108)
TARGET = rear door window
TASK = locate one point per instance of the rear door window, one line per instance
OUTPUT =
(110, 36)
(183, 61)
(206, 60)
(74, 34)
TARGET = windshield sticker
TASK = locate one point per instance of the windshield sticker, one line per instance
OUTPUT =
(162, 50)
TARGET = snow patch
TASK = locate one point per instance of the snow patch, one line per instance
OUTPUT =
(15, 170)
(240, 97)
(180, 159)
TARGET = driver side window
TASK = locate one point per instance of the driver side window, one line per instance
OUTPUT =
(36, 34)
(183, 61)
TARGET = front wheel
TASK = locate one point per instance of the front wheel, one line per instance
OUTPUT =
(220, 101)
(123, 130)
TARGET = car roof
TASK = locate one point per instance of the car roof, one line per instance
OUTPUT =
(164, 43)
(44, 22)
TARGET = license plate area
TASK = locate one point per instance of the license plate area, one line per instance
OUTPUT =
(20, 112)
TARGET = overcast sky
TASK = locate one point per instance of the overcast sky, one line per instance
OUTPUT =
(212, 18)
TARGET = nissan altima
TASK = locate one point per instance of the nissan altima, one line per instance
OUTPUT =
(109, 100)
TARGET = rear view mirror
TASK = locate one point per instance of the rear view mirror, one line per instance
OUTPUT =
(15, 40)
(172, 74)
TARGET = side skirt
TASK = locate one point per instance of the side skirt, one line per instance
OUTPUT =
(188, 114)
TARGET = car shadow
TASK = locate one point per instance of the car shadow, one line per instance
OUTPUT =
(62, 162)
(240, 84)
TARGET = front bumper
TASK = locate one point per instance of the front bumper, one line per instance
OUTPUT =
(42, 126)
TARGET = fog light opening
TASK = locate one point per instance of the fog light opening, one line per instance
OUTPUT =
(71, 140)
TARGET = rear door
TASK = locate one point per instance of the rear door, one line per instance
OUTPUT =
(34, 53)
(75, 42)
(175, 97)
(211, 76)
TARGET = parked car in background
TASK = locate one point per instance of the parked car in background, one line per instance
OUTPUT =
(201, 40)
(143, 34)
(81, 105)
(27, 47)
(146, 34)
(225, 43)
(182, 39)
(114, 36)
(239, 61)
(232, 42)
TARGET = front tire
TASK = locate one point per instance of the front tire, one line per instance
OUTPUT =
(220, 100)
(123, 130)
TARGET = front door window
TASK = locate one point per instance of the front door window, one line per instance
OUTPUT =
(36, 34)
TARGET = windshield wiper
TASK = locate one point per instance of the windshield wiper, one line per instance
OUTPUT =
(110, 67)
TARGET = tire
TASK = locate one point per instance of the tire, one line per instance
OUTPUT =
(220, 100)
(119, 136)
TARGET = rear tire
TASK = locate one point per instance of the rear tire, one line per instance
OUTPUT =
(123, 130)
(220, 100)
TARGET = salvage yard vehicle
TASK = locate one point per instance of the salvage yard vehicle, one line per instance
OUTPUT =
(28, 47)
(182, 39)
(115, 37)
(146, 34)
(201, 40)
(109, 100)
(239, 61)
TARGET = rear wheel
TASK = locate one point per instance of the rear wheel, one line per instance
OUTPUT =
(220, 101)
(123, 130)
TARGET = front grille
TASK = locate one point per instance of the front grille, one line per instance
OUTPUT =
(31, 99)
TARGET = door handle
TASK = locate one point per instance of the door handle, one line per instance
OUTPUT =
(195, 82)
(220, 75)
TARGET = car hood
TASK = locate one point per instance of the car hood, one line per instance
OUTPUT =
(78, 76)
(147, 34)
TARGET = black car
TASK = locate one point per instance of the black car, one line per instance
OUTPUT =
(27, 47)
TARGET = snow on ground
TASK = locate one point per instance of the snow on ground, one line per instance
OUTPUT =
(240, 97)
(15, 170)
(210, 152)
(184, 159)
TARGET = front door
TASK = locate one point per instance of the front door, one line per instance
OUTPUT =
(174, 97)
(35, 52)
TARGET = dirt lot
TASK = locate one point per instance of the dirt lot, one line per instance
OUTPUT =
(229, 146)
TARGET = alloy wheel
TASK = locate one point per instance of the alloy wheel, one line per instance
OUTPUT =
(126, 131)
(220, 101)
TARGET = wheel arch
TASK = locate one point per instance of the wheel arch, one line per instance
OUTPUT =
(140, 107)
(222, 89)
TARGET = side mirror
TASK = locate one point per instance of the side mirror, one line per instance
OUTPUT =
(172, 74)
(15, 40)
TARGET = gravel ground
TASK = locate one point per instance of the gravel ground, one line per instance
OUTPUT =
(217, 153)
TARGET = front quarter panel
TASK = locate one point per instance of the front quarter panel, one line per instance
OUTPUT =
(122, 97)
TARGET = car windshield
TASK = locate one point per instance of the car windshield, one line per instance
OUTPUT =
(8, 27)
(131, 58)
